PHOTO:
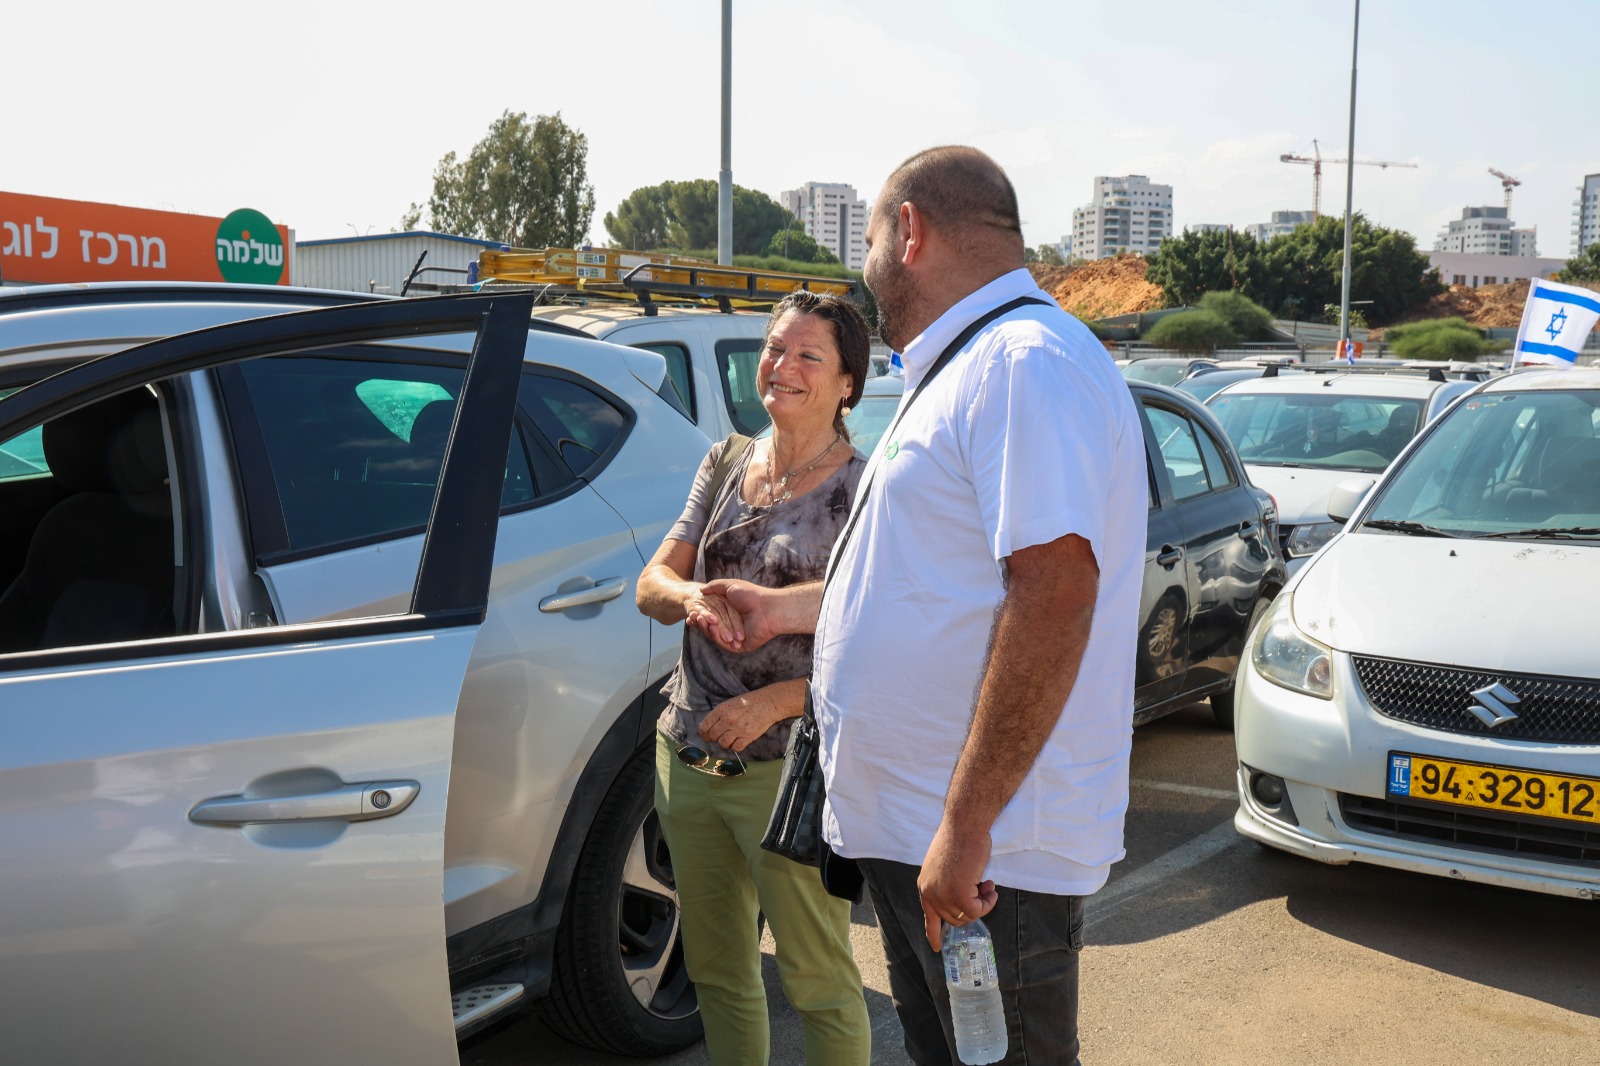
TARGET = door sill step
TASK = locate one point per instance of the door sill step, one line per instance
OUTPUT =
(474, 1005)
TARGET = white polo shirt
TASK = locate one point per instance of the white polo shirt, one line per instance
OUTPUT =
(1027, 435)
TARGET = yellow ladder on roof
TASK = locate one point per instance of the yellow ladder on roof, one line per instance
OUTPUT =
(620, 273)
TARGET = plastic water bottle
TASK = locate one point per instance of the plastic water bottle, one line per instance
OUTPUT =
(974, 983)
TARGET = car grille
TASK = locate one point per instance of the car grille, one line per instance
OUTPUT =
(1561, 710)
(1499, 834)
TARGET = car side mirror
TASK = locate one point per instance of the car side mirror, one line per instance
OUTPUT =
(1347, 496)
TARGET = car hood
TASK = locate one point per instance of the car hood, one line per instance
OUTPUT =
(1302, 494)
(1489, 604)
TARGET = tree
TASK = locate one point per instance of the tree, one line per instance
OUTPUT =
(1305, 265)
(1049, 255)
(642, 220)
(1247, 319)
(1192, 331)
(682, 215)
(526, 183)
(1585, 266)
(1195, 263)
(798, 245)
(1437, 338)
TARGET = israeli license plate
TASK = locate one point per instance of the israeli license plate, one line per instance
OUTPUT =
(1495, 788)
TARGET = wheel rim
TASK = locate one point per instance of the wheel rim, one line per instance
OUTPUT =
(1163, 634)
(648, 925)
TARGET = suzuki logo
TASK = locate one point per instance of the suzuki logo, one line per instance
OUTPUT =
(1494, 705)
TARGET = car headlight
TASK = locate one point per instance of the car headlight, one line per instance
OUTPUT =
(1310, 536)
(1285, 656)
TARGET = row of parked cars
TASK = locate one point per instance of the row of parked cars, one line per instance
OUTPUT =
(329, 702)
(1416, 696)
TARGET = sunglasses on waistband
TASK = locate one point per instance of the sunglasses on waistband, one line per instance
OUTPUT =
(700, 759)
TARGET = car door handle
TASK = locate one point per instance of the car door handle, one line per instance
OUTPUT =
(1169, 556)
(1246, 530)
(360, 802)
(599, 592)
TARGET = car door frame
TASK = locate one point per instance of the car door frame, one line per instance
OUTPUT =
(1155, 690)
(450, 592)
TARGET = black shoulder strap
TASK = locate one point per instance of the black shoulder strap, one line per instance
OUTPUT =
(945, 356)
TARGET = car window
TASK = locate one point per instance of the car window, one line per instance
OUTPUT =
(1180, 452)
(738, 361)
(1218, 473)
(1298, 429)
(1503, 463)
(23, 455)
(355, 446)
(677, 358)
(577, 421)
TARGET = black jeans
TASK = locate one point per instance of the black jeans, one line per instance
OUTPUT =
(1037, 938)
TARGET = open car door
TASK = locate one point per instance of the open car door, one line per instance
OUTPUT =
(228, 847)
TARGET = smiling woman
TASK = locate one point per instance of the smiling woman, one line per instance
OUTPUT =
(764, 512)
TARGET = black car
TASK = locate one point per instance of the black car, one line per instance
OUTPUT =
(1211, 557)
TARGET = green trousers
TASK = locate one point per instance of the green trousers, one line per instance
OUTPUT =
(714, 827)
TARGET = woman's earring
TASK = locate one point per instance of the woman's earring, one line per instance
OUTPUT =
(844, 411)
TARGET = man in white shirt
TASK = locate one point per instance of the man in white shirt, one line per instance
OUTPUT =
(973, 682)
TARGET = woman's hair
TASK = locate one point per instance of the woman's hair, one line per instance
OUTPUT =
(850, 333)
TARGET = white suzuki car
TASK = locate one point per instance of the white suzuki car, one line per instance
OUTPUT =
(1423, 695)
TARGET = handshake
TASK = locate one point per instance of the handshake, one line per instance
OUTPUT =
(738, 616)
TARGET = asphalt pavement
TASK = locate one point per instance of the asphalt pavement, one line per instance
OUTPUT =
(1205, 948)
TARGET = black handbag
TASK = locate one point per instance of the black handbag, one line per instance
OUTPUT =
(795, 828)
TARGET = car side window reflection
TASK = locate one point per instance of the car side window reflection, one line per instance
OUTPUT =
(1218, 472)
(23, 455)
(579, 423)
(355, 446)
(677, 372)
(1180, 453)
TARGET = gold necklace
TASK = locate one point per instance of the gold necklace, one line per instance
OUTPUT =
(782, 485)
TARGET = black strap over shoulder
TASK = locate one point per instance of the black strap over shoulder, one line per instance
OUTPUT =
(939, 364)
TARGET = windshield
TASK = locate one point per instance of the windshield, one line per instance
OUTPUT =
(1510, 464)
(1339, 432)
(1159, 373)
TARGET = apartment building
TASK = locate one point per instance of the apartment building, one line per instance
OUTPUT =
(1586, 214)
(1282, 222)
(1127, 214)
(834, 216)
(1487, 231)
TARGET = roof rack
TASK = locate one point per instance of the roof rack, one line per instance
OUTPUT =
(579, 275)
(1433, 372)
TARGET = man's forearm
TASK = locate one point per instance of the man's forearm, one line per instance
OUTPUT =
(1036, 648)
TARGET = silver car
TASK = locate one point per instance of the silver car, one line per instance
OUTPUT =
(325, 706)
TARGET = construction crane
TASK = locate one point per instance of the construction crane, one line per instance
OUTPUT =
(1507, 182)
(1316, 161)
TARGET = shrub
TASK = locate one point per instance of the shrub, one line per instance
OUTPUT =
(1437, 338)
(1248, 319)
(1192, 331)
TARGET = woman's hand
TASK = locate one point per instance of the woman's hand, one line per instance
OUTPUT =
(735, 723)
(714, 617)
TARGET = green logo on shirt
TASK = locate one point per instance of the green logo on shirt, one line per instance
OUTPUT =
(892, 450)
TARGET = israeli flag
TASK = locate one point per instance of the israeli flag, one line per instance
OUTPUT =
(1555, 321)
(896, 367)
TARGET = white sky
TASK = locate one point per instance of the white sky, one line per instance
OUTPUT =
(330, 117)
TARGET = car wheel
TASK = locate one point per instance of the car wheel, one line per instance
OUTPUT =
(1163, 634)
(620, 984)
(1222, 702)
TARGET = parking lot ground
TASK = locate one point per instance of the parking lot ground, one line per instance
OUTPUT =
(1207, 949)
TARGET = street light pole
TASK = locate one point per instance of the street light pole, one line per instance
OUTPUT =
(725, 178)
(1349, 191)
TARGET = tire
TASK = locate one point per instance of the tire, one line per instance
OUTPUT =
(620, 984)
(1222, 702)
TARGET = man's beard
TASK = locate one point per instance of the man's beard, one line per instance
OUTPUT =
(893, 293)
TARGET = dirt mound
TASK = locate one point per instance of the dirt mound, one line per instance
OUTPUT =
(1486, 307)
(1102, 288)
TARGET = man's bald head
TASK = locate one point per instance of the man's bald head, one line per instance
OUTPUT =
(962, 193)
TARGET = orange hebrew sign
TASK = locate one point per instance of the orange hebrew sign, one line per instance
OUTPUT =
(44, 240)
